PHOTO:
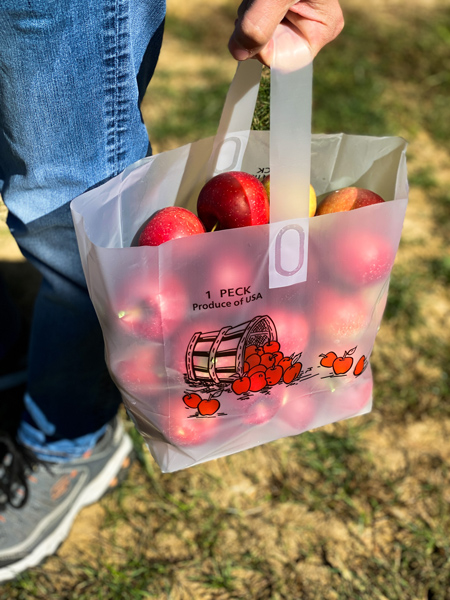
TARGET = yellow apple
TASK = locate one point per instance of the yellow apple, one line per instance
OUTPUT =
(312, 195)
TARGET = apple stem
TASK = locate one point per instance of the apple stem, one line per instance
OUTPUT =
(215, 227)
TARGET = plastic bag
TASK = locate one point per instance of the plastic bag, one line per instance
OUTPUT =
(223, 341)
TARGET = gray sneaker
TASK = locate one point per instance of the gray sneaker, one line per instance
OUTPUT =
(39, 501)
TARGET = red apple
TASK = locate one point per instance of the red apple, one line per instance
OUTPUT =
(361, 257)
(351, 399)
(298, 413)
(139, 370)
(233, 199)
(292, 329)
(230, 270)
(262, 408)
(168, 224)
(348, 198)
(339, 317)
(141, 303)
(184, 429)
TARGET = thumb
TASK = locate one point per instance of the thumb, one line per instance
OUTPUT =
(255, 26)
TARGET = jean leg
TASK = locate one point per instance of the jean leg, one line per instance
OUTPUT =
(10, 321)
(72, 76)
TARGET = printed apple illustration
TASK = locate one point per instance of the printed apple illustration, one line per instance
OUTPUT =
(271, 347)
(253, 361)
(285, 363)
(257, 369)
(274, 375)
(340, 317)
(168, 224)
(249, 351)
(312, 195)
(278, 356)
(145, 310)
(208, 406)
(268, 360)
(292, 372)
(241, 385)
(361, 257)
(192, 400)
(233, 199)
(342, 364)
(328, 359)
(348, 198)
(258, 381)
(360, 366)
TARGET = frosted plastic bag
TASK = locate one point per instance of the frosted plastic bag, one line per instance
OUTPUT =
(227, 340)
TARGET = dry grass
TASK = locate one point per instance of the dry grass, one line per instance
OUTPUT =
(354, 510)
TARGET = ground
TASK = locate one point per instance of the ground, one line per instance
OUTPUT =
(357, 509)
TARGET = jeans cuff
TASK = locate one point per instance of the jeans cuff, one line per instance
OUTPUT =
(63, 450)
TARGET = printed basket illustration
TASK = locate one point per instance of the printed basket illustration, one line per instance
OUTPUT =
(219, 355)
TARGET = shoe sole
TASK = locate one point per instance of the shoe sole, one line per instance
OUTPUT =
(91, 494)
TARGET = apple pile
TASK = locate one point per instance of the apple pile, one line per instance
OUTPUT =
(239, 199)
(228, 200)
(266, 366)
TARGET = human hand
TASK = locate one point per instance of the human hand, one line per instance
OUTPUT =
(259, 22)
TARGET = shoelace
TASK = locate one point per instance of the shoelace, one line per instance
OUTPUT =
(16, 461)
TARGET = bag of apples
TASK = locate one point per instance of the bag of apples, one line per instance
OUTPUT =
(229, 322)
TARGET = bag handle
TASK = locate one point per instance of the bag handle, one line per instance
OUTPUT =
(290, 121)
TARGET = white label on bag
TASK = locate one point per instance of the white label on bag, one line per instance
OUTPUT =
(229, 155)
(288, 252)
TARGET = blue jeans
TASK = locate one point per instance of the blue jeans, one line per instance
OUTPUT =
(72, 77)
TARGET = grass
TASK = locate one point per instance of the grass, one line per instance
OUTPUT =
(358, 510)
